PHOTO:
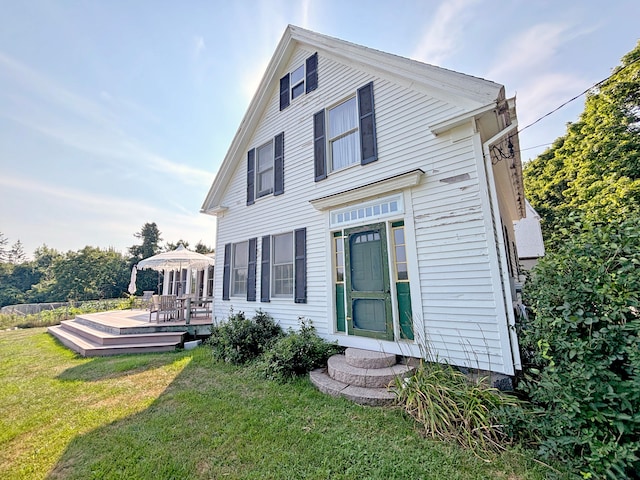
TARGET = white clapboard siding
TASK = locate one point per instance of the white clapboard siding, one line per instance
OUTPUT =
(455, 303)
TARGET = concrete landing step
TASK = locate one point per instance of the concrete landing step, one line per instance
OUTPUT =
(339, 369)
(362, 395)
(88, 348)
(101, 337)
(368, 359)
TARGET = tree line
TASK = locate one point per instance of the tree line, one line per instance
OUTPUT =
(90, 273)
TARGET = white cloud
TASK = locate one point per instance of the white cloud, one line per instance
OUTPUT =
(443, 34)
(87, 126)
(545, 93)
(530, 51)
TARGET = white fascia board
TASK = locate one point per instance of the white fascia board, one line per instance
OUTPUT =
(381, 187)
(446, 125)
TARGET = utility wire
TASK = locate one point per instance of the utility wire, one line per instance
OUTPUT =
(580, 94)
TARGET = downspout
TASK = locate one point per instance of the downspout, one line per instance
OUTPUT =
(504, 274)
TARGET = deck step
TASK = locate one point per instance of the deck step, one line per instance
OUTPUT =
(104, 338)
(92, 343)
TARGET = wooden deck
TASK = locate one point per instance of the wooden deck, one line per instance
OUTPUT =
(127, 331)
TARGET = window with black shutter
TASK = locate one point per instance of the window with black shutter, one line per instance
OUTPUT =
(345, 134)
(226, 272)
(303, 79)
(300, 294)
(251, 270)
(265, 274)
(265, 169)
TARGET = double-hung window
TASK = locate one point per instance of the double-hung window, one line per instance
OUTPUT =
(303, 79)
(240, 268)
(283, 265)
(345, 134)
(264, 170)
(344, 141)
(297, 82)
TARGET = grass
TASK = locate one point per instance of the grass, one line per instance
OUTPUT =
(181, 415)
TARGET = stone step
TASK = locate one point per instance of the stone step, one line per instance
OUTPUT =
(88, 348)
(339, 369)
(101, 337)
(361, 395)
(360, 358)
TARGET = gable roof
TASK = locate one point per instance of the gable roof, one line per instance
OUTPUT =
(471, 93)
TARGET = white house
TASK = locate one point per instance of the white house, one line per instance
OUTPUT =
(374, 195)
(529, 238)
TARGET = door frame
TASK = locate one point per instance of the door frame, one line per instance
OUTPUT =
(385, 295)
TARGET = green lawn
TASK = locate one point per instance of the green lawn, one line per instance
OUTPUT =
(182, 416)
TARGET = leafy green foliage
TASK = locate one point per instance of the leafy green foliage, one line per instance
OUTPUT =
(296, 354)
(240, 340)
(450, 406)
(595, 168)
(583, 348)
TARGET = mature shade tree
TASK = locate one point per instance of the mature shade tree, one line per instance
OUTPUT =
(582, 344)
(16, 254)
(203, 249)
(89, 274)
(4, 254)
(593, 170)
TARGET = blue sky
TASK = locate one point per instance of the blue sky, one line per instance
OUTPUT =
(118, 113)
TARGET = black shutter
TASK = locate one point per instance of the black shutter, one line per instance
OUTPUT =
(312, 73)
(284, 92)
(278, 166)
(300, 293)
(319, 146)
(251, 176)
(226, 272)
(368, 146)
(265, 271)
(251, 270)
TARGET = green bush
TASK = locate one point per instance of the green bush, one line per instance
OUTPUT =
(450, 406)
(240, 340)
(296, 354)
(582, 345)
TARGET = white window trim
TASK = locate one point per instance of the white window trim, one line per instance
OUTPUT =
(264, 193)
(292, 85)
(273, 265)
(234, 268)
(368, 212)
(329, 140)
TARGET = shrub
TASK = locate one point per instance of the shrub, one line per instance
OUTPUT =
(583, 348)
(450, 406)
(296, 354)
(240, 340)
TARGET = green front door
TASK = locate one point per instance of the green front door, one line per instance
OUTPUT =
(367, 282)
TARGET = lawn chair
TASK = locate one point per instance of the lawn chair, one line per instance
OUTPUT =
(165, 305)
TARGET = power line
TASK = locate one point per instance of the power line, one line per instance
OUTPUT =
(580, 94)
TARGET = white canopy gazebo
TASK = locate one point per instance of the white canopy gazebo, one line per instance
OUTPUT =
(176, 260)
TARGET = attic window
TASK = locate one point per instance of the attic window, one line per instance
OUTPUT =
(297, 82)
(303, 79)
